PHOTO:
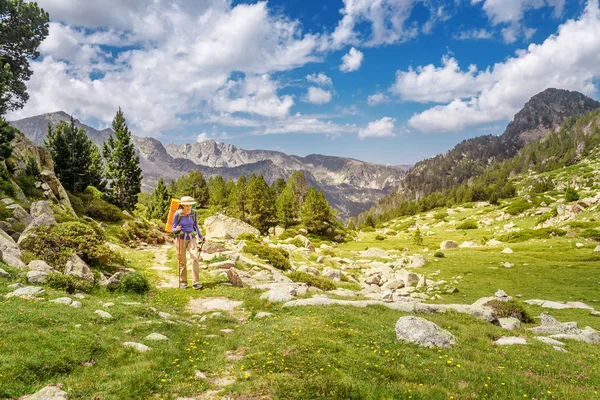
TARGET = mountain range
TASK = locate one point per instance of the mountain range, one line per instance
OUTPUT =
(350, 185)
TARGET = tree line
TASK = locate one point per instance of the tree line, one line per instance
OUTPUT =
(250, 199)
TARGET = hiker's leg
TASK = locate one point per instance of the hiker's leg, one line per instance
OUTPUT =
(183, 261)
(193, 247)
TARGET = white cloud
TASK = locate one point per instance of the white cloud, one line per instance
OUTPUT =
(474, 34)
(383, 127)
(202, 137)
(352, 60)
(305, 124)
(439, 84)
(181, 58)
(377, 98)
(320, 79)
(568, 60)
(511, 12)
(317, 95)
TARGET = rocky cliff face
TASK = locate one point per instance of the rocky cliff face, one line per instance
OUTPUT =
(351, 186)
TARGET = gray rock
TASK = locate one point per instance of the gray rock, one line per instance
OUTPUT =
(20, 214)
(103, 314)
(595, 313)
(203, 305)
(113, 282)
(387, 296)
(501, 294)
(507, 250)
(26, 291)
(77, 268)
(108, 305)
(16, 286)
(393, 284)
(4, 274)
(41, 207)
(448, 244)
(409, 278)
(41, 220)
(374, 252)
(240, 278)
(76, 304)
(468, 245)
(279, 294)
(551, 326)
(510, 340)
(423, 332)
(48, 393)
(560, 349)
(509, 323)
(416, 261)
(320, 259)
(548, 340)
(309, 270)
(156, 337)
(587, 335)
(220, 226)
(223, 264)
(62, 300)
(39, 265)
(142, 348)
(164, 315)
(597, 249)
(36, 276)
(333, 274)
(262, 315)
(493, 242)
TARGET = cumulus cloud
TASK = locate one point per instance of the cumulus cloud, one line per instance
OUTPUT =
(317, 95)
(377, 98)
(319, 79)
(569, 59)
(352, 60)
(383, 127)
(202, 137)
(474, 34)
(185, 63)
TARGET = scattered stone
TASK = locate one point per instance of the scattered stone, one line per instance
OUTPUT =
(595, 313)
(48, 393)
(16, 286)
(239, 278)
(142, 348)
(333, 274)
(26, 291)
(212, 248)
(468, 245)
(112, 282)
(156, 337)
(164, 315)
(108, 305)
(36, 276)
(79, 295)
(39, 265)
(452, 290)
(79, 269)
(374, 252)
(223, 265)
(587, 335)
(415, 261)
(227, 330)
(4, 274)
(393, 284)
(387, 296)
(501, 294)
(507, 250)
(221, 226)
(279, 293)
(510, 323)
(510, 340)
(494, 242)
(103, 314)
(200, 375)
(423, 332)
(579, 245)
(76, 304)
(551, 326)
(203, 305)
(597, 249)
(507, 265)
(548, 340)
(320, 259)
(309, 270)
(62, 300)
(557, 348)
(448, 244)
(263, 314)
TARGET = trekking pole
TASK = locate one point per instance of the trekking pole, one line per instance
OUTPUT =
(178, 268)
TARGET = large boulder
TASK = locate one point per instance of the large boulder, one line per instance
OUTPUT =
(41, 220)
(36, 276)
(212, 248)
(39, 265)
(374, 252)
(41, 207)
(423, 332)
(20, 214)
(56, 191)
(48, 393)
(448, 244)
(79, 269)
(223, 227)
(10, 253)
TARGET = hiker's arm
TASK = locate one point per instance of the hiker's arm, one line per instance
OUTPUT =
(200, 237)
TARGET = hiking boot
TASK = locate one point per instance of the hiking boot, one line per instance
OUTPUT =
(197, 286)
(183, 286)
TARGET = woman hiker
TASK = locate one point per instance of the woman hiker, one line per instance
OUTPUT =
(185, 224)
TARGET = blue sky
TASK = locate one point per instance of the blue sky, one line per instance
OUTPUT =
(386, 81)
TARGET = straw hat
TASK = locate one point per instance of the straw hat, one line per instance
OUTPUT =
(187, 200)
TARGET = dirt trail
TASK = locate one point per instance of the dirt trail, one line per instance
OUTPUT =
(167, 277)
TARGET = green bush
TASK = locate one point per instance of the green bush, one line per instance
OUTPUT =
(526, 234)
(379, 237)
(77, 204)
(27, 185)
(584, 224)
(508, 309)
(139, 230)
(4, 212)
(285, 235)
(439, 254)
(279, 258)
(440, 215)
(320, 282)
(545, 217)
(368, 229)
(593, 234)
(54, 244)
(103, 210)
(68, 283)
(571, 194)
(248, 237)
(467, 224)
(518, 207)
(405, 225)
(93, 192)
(297, 242)
(6, 187)
(134, 282)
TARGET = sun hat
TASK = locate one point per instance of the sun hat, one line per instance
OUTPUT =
(187, 200)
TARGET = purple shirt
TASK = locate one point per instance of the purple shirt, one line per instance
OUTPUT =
(187, 225)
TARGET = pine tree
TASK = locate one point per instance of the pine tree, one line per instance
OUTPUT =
(160, 201)
(317, 215)
(76, 159)
(260, 202)
(194, 184)
(217, 192)
(418, 238)
(300, 186)
(278, 186)
(286, 207)
(122, 165)
(7, 134)
(237, 200)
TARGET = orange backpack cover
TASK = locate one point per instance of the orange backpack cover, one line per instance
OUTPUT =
(172, 210)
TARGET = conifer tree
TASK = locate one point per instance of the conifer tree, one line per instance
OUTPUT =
(286, 208)
(77, 160)
(194, 184)
(260, 202)
(7, 134)
(158, 206)
(317, 215)
(278, 186)
(123, 170)
(237, 200)
(217, 192)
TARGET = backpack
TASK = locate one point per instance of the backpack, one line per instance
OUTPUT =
(177, 215)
